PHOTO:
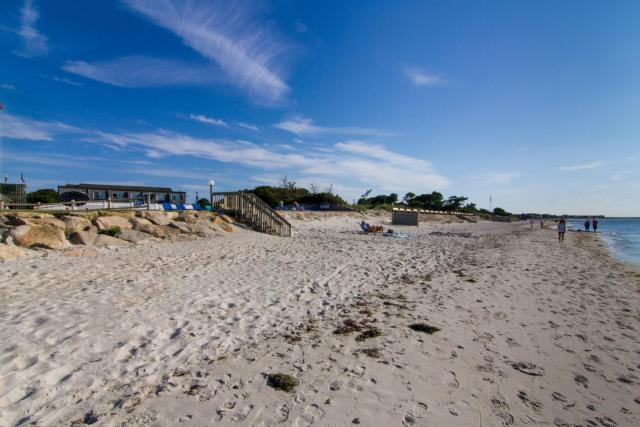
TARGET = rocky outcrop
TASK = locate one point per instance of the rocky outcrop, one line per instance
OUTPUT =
(86, 238)
(11, 252)
(75, 223)
(107, 222)
(38, 236)
(37, 230)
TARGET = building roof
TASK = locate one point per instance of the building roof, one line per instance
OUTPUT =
(121, 188)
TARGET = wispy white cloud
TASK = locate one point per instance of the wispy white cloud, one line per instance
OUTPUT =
(420, 77)
(65, 81)
(586, 166)
(523, 149)
(358, 163)
(7, 86)
(248, 126)
(303, 126)
(144, 71)
(227, 34)
(25, 128)
(208, 120)
(34, 43)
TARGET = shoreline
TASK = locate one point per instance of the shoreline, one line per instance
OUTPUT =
(187, 332)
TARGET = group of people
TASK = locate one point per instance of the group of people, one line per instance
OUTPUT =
(562, 227)
(593, 223)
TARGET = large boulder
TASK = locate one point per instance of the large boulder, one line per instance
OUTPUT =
(11, 252)
(202, 229)
(86, 238)
(39, 236)
(75, 223)
(218, 220)
(226, 218)
(37, 220)
(107, 222)
(160, 218)
(133, 236)
(104, 240)
(158, 231)
(139, 221)
(180, 226)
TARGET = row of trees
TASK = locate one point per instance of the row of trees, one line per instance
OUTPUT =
(288, 192)
(430, 201)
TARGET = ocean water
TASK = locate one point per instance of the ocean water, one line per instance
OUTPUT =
(621, 234)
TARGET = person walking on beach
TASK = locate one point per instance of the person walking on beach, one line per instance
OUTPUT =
(594, 224)
(562, 227)
(587, 224)
(541, 222)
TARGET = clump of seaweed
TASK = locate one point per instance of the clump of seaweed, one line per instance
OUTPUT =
(423, 327)
(348, 326)
(371, 352)
(282, 382)
(370, 332)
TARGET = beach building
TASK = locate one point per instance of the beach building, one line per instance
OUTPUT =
(102, 192)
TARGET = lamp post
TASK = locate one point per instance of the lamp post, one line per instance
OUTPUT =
(211, 184)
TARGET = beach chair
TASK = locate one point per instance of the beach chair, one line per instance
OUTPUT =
(167, 206)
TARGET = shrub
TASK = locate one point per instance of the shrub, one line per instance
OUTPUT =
(282, 382)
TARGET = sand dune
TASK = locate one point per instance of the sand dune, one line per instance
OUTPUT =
(531, 331)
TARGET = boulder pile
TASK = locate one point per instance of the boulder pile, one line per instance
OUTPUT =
(20, 231)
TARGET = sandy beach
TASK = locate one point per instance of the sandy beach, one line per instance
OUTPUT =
(530, 331)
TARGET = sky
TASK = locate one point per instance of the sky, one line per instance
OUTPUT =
(534, 104)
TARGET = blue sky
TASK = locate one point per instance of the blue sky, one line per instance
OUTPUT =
(534, 103)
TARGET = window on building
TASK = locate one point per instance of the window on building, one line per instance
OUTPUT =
(99, 195)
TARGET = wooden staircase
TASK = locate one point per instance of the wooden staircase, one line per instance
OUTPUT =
(250, 209)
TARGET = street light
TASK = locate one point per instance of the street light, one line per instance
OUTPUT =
(211, 184)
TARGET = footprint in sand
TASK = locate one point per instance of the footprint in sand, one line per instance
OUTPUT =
(450, 380)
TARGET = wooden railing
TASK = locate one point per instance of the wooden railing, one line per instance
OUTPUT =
(249, 208)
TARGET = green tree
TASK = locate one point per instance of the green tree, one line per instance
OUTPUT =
(454, 203)
(203, 202)
(500, 212)
(45, 195)
(408, 197)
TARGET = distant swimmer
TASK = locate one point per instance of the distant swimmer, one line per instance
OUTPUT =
(594, 224)
(587, 224)
(562, 227)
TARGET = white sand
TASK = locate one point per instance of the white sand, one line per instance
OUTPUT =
(183, 333)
